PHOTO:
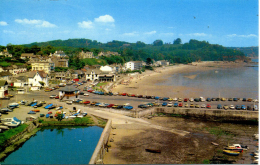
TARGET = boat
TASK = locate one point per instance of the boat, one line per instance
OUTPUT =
(3, 127)
(42, 115)
(36, 110)
(234, 148)
(48, 106)
(59, 107)
(13, 105)
(47, 115)
(31, 112)
(34, 104)
(245, 147)
(232, 153)
(153, 150)
(11, 122)
(215, 144)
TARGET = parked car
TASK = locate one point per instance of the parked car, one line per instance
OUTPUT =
(180, 105)
(169, 104)
(219, 106)
(255, 108)
(225, 107)
(52, 96)
(85, 94)
(208, 99)
(164, 104)
(238, 107)
(197, 106)
(86, 102)
(191, 105)
(175, 105)
(110, 105)
(203, 106)
(186, 105)
(185, 99)
(243, 107)
(208, 106)
(231, 107)
(235, 99)
(249, 107)
(142, 106)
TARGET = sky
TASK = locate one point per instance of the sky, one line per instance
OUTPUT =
(224, 22)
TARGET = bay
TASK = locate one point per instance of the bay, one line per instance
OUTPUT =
(58, 145)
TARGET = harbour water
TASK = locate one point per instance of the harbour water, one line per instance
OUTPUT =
(58, 145)
(224, 82)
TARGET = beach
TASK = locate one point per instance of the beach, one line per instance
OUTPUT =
(148, 83)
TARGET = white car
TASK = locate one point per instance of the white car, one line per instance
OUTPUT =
(69, 102)
(231, 107)
(175, 99)
(169, 104)
(86, 94)
(203, 106)
(191, 99)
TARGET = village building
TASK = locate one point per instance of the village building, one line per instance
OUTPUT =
(133, 65)
(161, 63)
(5, 53)
(17, 69)
(7, 76)
(20, 81)
(61, 75)
(108, 54)
(3, 88)
(37, 79)
(27, 56)
(42, 64)
(83, 55)
(59, 54)
(103, 74)
(60, 62)
(68, 91)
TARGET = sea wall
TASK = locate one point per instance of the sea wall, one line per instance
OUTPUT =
(21, 135)
(212, 114)
(97, 157)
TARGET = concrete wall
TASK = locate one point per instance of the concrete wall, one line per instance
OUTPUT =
(212, 114)
(97, 157)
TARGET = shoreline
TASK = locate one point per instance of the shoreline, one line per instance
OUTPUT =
(148, 83)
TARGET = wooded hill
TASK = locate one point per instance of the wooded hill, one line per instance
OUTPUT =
(177, 52)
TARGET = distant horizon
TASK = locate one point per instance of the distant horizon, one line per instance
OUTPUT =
(232, 23)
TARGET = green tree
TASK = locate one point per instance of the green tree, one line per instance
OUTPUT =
(158, 43)
(177, 41)
(59, 116)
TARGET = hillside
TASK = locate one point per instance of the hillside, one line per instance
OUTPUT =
(248, 51)
(193, 50)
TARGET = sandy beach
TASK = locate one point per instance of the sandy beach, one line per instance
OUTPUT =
(147, 82)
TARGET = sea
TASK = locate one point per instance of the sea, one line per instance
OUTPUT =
(241, 82)
(58, 145)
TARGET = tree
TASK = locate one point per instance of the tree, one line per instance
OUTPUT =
(149, 61)
(177, 41)
(158, 43)
(59, 116)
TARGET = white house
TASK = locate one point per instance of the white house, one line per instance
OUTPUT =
(92, 75)
(35, 78)
(3, 88)
(133, 65)
(59, 53)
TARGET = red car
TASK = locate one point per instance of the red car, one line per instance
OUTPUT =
(185, 100)
(140, 96)
(133, 95)
(86, 102)
(180, 105)
(110, 105)
(124, 94)
(208, 106)
(90, 90)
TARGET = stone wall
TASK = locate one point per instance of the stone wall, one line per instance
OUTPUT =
(97, 157)
(212, 114)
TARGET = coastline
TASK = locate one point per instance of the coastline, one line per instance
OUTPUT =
(148, 82)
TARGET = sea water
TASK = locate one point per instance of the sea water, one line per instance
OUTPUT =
(224, 82)
(58, 145)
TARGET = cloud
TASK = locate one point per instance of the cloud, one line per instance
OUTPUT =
(105, 19)
(131, 34)
(8, 32)
(150, 33)
(198, 34)
(85, 24)
(37, 23)
(242, 36)
(2, 23)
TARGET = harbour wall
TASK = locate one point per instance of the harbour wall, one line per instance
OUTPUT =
(212, 114)
(97, 156)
